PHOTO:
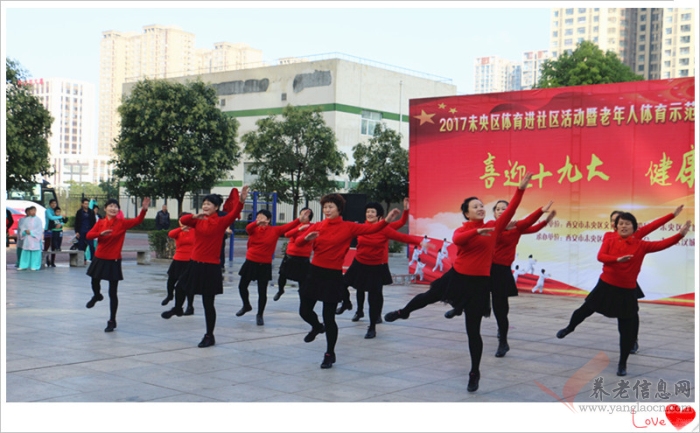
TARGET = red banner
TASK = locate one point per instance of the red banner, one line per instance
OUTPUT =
(592, 149)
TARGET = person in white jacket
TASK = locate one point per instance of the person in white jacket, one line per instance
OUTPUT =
(31, 232)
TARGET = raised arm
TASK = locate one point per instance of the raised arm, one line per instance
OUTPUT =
(652, 247)
(540, 225)
(653, 225)
(404, 217)
(506, 216)
(133, 222)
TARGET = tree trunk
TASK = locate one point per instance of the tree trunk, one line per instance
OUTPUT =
(180, 199)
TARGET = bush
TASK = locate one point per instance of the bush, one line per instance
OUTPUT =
(396, 247)
(161, 244)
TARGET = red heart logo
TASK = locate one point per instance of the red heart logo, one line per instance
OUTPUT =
(679, 418)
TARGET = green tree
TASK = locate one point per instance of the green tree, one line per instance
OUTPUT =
(28, 126)
(173, 140)
(382, 167)
(110, 187)
(587, 64)
(294, 155)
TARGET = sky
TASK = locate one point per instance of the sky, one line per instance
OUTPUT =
(439, 39)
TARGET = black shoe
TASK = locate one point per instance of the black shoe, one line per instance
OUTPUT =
(346, 305)
(278, 295)
(111, 325)
(635, 348)
(207, 341)
(563, 333)
(379, 319)
(259, 320)
(502, 349)
(244, 310)
(359, 315)
(328, 360)
(189, 311)
(166, 300)
(171, 312)
(371, 333)
(452, 313)
(91, 303)
(393, 315)
(311, 336)
(53, 265)
(473, 384)
(622, 370)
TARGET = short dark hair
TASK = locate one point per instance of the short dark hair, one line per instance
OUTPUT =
(465, 205)
(627, 217)
(84, 200)
(376, 206)
(265, 212)
(214, 199)
(311, 213)
(336, 199)
(52, 201)
(113, 201)
(56, 208)
(615, 212)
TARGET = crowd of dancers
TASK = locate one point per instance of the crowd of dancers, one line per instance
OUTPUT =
(480, 279)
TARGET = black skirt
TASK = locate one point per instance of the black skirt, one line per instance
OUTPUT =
(502, 282)
(467, 292)
(294, 268)
(322, 284)
(254, 271)
(177, 268)
(613, 301)
(101, 269)
(201, 279)
(367, 277)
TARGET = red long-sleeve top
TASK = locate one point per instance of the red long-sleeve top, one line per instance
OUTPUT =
(334, 238)
(644, 230)
(262, 240)
(111, 245)
(373, 249)
(474, 251)
(184, 243)
(507, 241)
(298, 249)
(624, 274)
(210, 232)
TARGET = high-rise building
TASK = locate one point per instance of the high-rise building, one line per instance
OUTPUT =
(72, 145)
(496, 74)
(158, 52)
(653, 42)
(531, 68)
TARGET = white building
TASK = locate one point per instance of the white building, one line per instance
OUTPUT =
(73, 153)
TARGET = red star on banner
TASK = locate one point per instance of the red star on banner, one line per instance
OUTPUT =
(425, 117)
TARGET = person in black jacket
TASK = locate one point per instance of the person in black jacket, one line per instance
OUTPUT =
(8, 224)
(84, 220)
(163, 219)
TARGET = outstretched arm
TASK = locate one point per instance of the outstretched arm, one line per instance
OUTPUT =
(653, 225)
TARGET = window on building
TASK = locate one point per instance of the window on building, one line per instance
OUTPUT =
(370, 119)
(684, 62)
(654, 17)
(555, 34)
(683, 73)
(582, 10)
(668, 41)
(667, 64)
(595, 39)
(568, 42)
(654, 47)
(653, 57)
(640, 68)
(568, 21)
(643, 28)
(568, 32)
(581, 19)
(556, 13)
(684, 50)
(556, 23)
(685, 28)
(685, 39)
(653, 67)
(642, 38)
(668, 31)
(569, 11)
(581, 30)
(685, 17)
(642, 47)
(640, 58)
(642, 17)
(579, 40)
(667, 75)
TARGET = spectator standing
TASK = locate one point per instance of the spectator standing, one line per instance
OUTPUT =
(84, 222)
(163, 219)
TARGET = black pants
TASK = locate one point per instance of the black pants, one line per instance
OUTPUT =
(306, 311)
(171, 290)
(422, 300)
(113, 299)
(56, 241)
(499, 302)
(207, 303)
(376, 303)
(84, 243)
(281, 282)
(262, 293)
(627, 327)
(472, 322)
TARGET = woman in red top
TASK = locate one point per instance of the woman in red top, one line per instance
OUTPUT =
(465, 286)
(184, 241)
(262, 241)
(369, 271)
(107, 262)
(622, 255)
(502, 282)
(324, 282)
(203, 275)
(295, 264)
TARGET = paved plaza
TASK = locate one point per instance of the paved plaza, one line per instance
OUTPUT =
(57, 351)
